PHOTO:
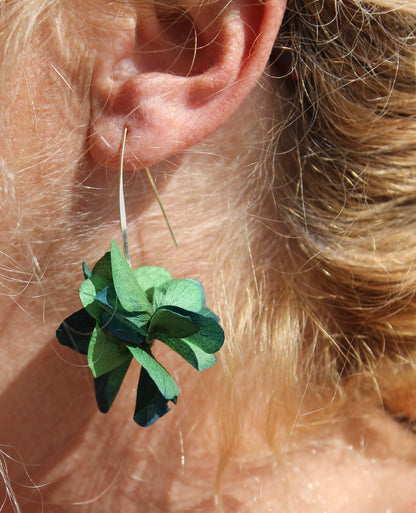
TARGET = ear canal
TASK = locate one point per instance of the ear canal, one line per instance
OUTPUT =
(175, 78)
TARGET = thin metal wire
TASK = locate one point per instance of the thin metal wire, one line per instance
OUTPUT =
(152, 183)
(122, 205)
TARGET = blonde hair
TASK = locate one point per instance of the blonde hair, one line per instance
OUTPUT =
(352, 201)
(330, 309)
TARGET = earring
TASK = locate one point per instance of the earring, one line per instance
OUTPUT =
(125, 311)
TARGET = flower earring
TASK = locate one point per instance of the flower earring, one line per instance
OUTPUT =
(125, 311)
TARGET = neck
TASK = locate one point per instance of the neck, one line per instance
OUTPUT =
(48, 387)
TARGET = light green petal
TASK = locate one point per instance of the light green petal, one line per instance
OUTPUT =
(164, 382)
(105, 352)
(129, 293)
(187, 294)
(87, 292)
(150, 277)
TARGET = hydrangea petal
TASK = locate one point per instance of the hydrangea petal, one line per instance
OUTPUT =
(103, 267)
(123, 330)
(108, 299)
(86, 271)
(206, 312)
(87, 292)
(150, 403)
(150, 277)
(76, 330)
(187, 294)
(165, 383)
(108, 385)
(209, 337)
(105, 352)
(170, 324)
(191, 353)
(129, 293)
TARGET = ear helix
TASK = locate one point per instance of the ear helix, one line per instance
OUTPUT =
(172, 93)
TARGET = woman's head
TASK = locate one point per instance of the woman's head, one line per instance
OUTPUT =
(290, 184)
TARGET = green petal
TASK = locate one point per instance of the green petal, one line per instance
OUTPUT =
(187, 294)
(209, 337)
(164, 382)
(103, 267)
(129, 293)
(105, 352)
(108, 299)
(150, 277)
(165, 322)
(191, 353)
(115, 313)
(87, 292)
(108, 385)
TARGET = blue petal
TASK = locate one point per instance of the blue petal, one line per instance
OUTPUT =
(76, 330)
(108, 385)
(150, 403)
(122, 330)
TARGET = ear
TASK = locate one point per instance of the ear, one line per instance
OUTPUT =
(174, 77)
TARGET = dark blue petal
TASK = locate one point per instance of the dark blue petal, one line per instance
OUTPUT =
(107, 297)
(86, 271)
(108, 385)
(75, 331)
(150, 403)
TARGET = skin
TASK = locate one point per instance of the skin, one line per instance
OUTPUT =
(64, 455)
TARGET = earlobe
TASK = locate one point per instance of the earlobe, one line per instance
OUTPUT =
(173, 78)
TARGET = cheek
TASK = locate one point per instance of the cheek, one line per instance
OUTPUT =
(45, 107)
(43, 123)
